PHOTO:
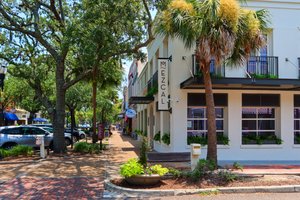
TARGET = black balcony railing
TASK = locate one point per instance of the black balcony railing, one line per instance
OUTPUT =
(263, 66)
(215, 71)
(152, 85)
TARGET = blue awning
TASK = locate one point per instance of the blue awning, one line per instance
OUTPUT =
(39, 119)
(11, 116)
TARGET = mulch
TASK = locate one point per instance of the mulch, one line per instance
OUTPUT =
(183, 183)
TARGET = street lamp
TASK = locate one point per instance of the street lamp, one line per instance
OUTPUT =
(3, 71)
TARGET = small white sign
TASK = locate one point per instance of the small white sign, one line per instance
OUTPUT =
(163, 87)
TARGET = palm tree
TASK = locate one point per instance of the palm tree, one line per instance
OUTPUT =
(219, 30)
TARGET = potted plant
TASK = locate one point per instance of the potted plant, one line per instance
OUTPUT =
(136, 174)
(157, 137)
(166, 138)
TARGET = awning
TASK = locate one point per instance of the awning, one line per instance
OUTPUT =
(243, 83)
(141, 100)
(39, 119)
(11, 116)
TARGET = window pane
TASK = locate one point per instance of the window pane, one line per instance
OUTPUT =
(266, 124)
(249, 113)
(196, 112)
(266, 113)
(219, 124)
(265, 134)
(297, 113)
(297, 125)
(219, 112)
(197, 125)
(249, 125)
(196, 133)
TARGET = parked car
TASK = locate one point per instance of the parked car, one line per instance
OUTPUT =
(68, 137)
(76, 133)
(25, 135)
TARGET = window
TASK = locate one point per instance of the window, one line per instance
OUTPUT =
(12, 131)
(197, 117)
(296, 119)
(197, 121)
(259, 118)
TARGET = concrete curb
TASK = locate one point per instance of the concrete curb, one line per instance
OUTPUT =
(179, 192)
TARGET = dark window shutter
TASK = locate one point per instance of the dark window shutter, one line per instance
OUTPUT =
(261, 100)
(198, 99)
(297, 100)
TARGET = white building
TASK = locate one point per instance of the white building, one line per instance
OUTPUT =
(260, 116)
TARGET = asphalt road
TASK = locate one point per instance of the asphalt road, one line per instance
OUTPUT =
(250, 196)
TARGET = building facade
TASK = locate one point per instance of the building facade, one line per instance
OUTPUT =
(257, 104)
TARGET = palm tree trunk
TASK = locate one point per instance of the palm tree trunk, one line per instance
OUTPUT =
(211, 116)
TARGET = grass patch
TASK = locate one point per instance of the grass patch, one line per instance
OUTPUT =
(84, 147)
(209, 193)
(16, 151)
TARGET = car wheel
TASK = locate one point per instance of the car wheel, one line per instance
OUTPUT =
(9, 145)
(82, 136)
(67, 141)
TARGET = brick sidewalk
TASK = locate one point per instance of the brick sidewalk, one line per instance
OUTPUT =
(77, 177)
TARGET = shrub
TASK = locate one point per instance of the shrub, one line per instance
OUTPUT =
(202, 168)
(84, 147)
(166, 138)
(237, 166)
(16, 151)
(157, 136)
(131, 167)
(21, 150)
(175, 172)
(158, 169)
(143, 150)
(227, 176)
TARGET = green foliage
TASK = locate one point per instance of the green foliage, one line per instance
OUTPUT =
(264, 76)
(158, 169)
(157, 137)
(175, 172)
(16, 151)
(203, 167)
(131, 167)
(152, 91)
(143, 150)
(227, 176)
(261, 139)
(237, 166)
(221, 139)
(166, 138)
(84, 147)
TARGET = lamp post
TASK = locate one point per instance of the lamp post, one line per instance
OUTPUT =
(3, 71)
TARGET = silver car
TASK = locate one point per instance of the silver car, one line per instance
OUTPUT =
(25, 135)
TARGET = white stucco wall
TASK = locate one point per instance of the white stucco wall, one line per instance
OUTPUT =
(285, 43)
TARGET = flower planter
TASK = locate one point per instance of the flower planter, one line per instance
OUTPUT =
(144, 179)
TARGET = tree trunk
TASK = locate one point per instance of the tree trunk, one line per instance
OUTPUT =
(72, 113)
(31, 116)
(211, 116)
(59, 113)
(94, 137)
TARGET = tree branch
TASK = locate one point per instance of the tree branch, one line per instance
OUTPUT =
(77, 79)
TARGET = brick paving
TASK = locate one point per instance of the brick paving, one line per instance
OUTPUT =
(52, 188)
(68, 177)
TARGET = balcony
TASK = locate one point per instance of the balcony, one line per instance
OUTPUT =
(263, 67)
(215, 71)
(152, 85)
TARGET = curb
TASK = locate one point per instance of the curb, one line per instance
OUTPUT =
(179, 192)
